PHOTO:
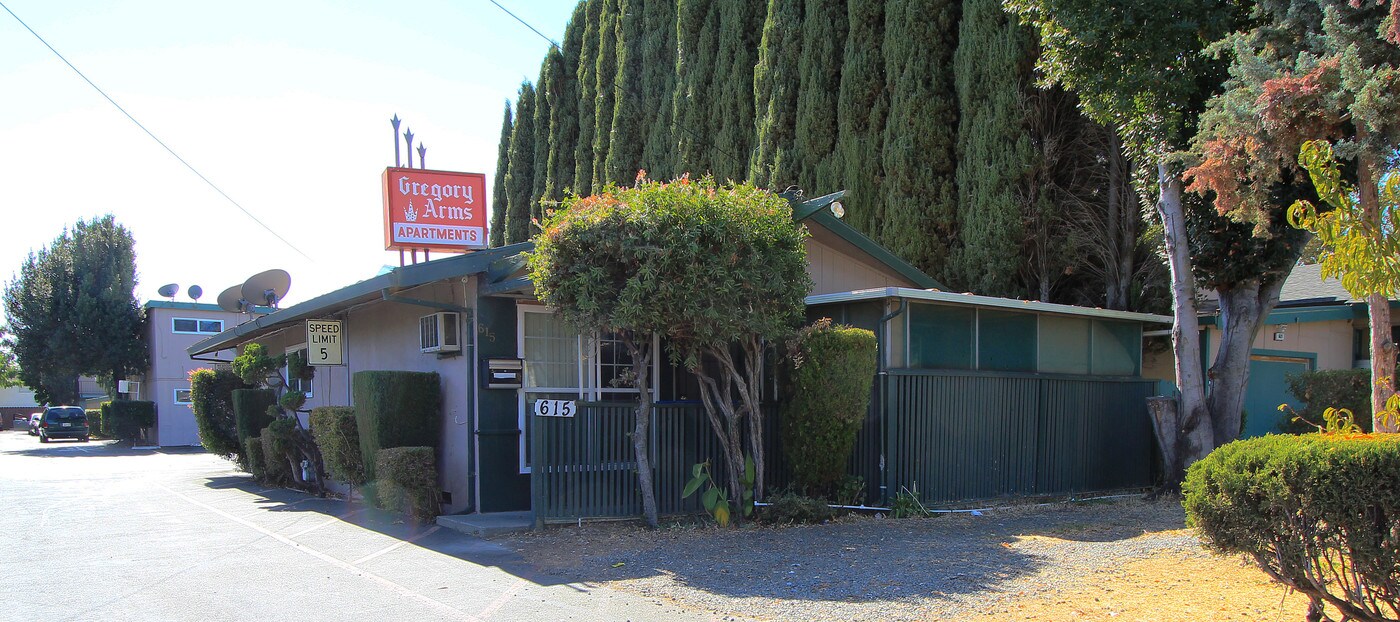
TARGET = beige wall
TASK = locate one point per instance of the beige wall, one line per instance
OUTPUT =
(384, 336)
(1330, 340)
(836, 266)
(170, 370)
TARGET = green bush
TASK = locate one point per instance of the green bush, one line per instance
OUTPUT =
(794, 509)
(124, 419)
(250, 414)
(253, 454)
(1317, 512)
(275, 440)
(211, 399)
(830, 371)
(395, 409)
(94, 421)
(408, 481)
(336, 434)
(1335, 388)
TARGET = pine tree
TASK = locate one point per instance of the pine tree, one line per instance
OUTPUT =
(546, 92)
(920, 133)
(587, 94)
(606, 91)
(992, 68)
(658, 85)
(498, 187)
(862, 105)
(823, 43)
(696, 30)
(564, 110)
(775, 84)
(740, 28)
(520, 175)
(629, 115)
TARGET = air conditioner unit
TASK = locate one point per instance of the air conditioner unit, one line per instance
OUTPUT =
(440, 332)
(128, 387)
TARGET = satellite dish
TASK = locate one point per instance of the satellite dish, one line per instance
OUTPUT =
(169, 290)
(231, 300)
(194, 292)
(267, 288)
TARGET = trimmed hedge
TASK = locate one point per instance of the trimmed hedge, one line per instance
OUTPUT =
(124, 419)
(94, 421)
(408, 481)
(830, 371)
(1317, 512)
(335, 432)
(250, 412)
(211, 399)
(253, 453)
(395, 409)
(274, 453)
(1334, 388)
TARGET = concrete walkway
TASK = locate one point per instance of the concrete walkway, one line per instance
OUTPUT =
(101, 533)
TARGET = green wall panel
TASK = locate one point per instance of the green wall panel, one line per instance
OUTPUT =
(1117, 348)
(940, 337)
(1006, 340)
(1064, 345)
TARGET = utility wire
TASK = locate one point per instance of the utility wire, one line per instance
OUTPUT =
(618, 88)
(153, 136)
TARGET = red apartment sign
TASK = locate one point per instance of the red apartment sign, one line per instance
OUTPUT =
(436, 210)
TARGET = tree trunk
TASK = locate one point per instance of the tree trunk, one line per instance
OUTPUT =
(641, 433)
(1242, 310)
(1195, 437)
(1166, 423)
(1382, 346)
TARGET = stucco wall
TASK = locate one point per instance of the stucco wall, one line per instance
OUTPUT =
(170, 369)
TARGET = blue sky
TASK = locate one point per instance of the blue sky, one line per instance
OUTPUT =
(284, 105)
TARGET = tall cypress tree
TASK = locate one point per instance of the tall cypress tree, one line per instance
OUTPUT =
(605, 93)
(546, 93)
(498, 187)
(862, 105)
(587, 94)
(563, 112)
(696, 28)
(740, 28)
(658, 85)
(823, 43)
(992, 68)
(520, 175)
(775, 85)
(629, 115)
(920, 133)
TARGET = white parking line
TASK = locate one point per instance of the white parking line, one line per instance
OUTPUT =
(395, 546)
(443, 607)
(332, 520)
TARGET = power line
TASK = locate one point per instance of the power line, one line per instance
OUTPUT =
(153, 136)
(618, 88)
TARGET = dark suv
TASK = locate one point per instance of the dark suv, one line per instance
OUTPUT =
(63, 422)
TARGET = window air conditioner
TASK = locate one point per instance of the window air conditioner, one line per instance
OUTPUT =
(129, 387)
(440, 332)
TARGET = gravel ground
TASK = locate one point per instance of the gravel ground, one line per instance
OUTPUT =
(871, 568)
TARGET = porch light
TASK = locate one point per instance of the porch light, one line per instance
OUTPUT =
(837, 209)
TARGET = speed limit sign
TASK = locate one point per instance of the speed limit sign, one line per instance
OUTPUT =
(323, 343)
(555, 408)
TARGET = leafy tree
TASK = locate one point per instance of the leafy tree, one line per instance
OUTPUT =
(499, 200)
(546, 95)
(630, 116)
(9, 368)
(259, 369)
(605, 93)
(587, 94)
(1292, 82)
(732, 124)
(564, 110)
(73, 311)
(658, 85)
(862, 104)
(823, 42)
(520, 173)
(776, 84)
(919, 154)
(715, 269)
(691, 102)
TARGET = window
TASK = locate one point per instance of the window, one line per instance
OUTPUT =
(940, 337)
(1006, 340)
(1064, 344)
(182, 396)
(1117, 348)
(297, 384)
(192, 326)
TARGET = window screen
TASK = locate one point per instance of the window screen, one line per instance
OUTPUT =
(1006, 340)
(1064, 344)
(183, 325)
(1117, 348)
(940, 337)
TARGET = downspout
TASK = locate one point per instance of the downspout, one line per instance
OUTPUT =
(882, 376)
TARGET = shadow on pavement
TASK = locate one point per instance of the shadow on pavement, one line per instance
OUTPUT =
(66, 448)
(430, 537)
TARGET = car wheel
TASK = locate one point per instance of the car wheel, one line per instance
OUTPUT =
(83, 439)
(42, 438)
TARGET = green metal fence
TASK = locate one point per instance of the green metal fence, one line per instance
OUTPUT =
(952, 435)
(966, 435)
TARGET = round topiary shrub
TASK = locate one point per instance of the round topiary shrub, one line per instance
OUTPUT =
(830, 373)
(1319, 513)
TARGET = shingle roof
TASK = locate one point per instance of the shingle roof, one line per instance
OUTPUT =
(1306, 283)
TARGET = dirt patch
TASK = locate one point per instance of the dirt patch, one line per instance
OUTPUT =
(1125, 560)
